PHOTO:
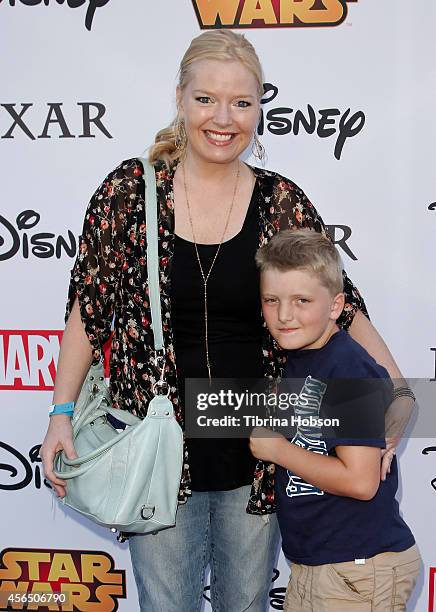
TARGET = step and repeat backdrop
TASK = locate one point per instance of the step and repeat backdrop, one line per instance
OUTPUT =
(348, 114)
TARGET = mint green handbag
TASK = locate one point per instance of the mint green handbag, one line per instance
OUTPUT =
(127, 479)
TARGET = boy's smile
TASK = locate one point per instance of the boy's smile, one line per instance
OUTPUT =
(300, 312)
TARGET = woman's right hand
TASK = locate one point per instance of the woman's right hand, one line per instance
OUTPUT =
(59, 436)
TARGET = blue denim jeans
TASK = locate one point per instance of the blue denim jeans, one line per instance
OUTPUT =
(212, 528)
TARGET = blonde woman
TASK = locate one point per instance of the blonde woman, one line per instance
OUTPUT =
(214, 212)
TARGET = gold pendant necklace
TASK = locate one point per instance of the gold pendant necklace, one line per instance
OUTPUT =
(204, 276)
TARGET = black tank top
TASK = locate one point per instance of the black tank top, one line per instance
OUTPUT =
(234, 332)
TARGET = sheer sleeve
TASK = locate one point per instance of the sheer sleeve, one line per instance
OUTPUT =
(296, 211)
(97, 270)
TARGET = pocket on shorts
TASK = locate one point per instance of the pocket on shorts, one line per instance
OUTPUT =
(357, 581)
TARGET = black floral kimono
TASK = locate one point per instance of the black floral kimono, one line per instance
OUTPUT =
(110, 280)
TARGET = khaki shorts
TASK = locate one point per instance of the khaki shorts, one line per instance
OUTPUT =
(383, 584)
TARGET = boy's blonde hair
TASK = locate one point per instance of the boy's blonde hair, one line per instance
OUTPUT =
(303, 249)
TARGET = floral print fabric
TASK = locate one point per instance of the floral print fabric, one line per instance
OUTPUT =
(109, 279)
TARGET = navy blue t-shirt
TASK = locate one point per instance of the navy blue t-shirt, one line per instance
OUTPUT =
(318, 527)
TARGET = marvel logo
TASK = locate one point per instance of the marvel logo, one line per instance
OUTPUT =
(28, 358)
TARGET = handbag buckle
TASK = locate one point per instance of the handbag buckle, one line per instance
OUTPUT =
(162, 386)
(160, 358)
(152, 510)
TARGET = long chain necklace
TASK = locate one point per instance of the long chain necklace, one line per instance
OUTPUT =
(204, 276)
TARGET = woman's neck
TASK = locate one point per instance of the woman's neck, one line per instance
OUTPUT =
(209, 172)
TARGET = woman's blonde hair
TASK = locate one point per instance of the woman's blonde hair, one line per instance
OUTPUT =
(223, 45)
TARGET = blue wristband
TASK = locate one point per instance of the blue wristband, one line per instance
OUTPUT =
(67, 409)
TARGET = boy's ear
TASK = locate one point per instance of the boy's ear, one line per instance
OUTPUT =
(338, 304)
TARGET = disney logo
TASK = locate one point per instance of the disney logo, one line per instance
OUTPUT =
(426, 451)
(12, 239)
(93, 5)
(276, 595)
(326, 121)
(23, 470)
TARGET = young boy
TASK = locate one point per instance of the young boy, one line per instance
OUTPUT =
(341, 528)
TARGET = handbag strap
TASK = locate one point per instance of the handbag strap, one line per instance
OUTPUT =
(151, 215)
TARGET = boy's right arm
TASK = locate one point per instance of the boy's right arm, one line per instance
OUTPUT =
(75, 357)
(354, 472)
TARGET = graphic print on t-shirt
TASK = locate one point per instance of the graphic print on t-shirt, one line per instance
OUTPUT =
(308, 436)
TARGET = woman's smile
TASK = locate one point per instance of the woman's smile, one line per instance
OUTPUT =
(219, 138)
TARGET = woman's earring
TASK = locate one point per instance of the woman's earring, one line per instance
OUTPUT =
(181, 140)
(258, 149)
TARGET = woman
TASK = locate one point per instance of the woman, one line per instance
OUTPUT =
(214, 212)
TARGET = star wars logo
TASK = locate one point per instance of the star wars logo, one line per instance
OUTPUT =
(269, 13)
(28, 358)
(86, 579)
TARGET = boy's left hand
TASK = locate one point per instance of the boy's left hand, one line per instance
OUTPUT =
(265, 444)
(388, 454)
